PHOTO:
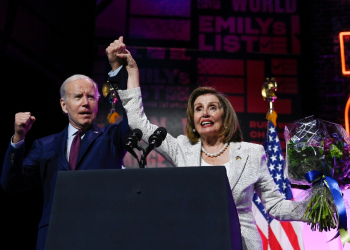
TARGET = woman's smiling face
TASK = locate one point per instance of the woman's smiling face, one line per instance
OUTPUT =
(208, 115)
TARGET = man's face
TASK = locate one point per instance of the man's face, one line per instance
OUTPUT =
(81, 103)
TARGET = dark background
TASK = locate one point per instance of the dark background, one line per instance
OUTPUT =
(41, 44)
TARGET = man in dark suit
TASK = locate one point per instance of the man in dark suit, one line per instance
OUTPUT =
(80, 146)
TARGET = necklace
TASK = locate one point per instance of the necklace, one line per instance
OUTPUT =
(215, 154)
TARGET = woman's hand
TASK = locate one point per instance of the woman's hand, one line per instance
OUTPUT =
(131, 67)
(117, 47)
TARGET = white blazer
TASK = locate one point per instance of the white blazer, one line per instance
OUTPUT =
(249, 171)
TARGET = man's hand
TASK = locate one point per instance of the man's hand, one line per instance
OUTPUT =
(133, 70)
(23, 123)
(117, 47)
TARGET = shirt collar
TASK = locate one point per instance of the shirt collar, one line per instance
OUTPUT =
(71, 130)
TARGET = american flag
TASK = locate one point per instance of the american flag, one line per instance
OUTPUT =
(276, 235)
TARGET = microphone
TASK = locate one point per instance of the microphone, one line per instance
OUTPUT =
(133, 138)
(156, 139)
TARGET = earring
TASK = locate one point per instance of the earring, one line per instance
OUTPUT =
(194, 131)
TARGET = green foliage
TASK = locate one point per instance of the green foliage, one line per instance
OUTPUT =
(320, 213)
(304, 158)
(335, 151)
(322, 156)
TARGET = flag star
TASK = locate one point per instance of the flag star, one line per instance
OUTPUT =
(281, 157)
(273, 158)
(278, 177)
(284, 186)
(258, 200)
(276, 140)
(279, 167)
(275, 148)
(272, 130)
(264, 211)
(270, 138)
(284, 196)
(269, 147)
(271, 167)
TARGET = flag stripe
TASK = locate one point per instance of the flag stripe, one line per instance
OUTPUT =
(293, 238)
(264, 239)
(274, 244)
(298, 230)
(280, 234)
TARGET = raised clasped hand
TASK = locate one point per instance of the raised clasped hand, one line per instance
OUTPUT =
(23, 123)
(117, 47)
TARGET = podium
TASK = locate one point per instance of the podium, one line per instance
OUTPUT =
(152, 208)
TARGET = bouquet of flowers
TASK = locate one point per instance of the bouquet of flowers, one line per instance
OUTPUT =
(318, 155)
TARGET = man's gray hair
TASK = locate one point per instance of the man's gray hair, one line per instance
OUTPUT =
(63, 90)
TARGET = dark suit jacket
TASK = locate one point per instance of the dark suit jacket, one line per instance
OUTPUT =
(100, 149)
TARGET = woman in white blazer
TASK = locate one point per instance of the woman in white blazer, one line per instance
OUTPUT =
(213, 137)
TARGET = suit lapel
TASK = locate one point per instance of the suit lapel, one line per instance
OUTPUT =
(89, 137)
(60, 148)
(237, 163)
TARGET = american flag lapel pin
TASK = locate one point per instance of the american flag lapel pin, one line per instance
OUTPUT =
(238, 157)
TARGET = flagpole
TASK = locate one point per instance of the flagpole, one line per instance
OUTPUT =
(268, 93)
(275, 161)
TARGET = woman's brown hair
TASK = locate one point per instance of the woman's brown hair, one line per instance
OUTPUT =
(233, 131)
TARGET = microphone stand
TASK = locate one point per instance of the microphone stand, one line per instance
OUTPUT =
(144, 153)
(142, 161)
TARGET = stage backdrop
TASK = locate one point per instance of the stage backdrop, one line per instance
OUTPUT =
(230, 45)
